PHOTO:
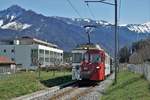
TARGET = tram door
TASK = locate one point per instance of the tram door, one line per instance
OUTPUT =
(76, 63)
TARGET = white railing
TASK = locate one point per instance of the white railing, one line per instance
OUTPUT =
(140, 68)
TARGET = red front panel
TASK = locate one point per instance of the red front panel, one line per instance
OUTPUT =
(99, 73)
(94, 71)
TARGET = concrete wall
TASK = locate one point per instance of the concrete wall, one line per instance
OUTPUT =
(140, 68)
(23, 55)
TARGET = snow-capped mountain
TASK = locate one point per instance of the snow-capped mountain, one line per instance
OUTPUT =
(65, 32)
(81, 22)
(139, 28)
(15, 26)
(8, 16)
(1, 22)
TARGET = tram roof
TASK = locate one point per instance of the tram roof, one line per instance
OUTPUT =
(87, 46)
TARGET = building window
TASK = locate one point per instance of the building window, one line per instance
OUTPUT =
(4, 50)
(46, 59)
(12, 59)
(12, 51)
(46, 52)
(41, 60)
(41, 51)
(54, 55)
(34, 56)
(51, 53)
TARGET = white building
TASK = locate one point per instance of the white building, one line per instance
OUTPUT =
(29, 52)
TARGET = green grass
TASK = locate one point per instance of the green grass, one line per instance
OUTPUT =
(28, 82)
(129, 86)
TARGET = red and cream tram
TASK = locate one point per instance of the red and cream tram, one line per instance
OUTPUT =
(90, 62)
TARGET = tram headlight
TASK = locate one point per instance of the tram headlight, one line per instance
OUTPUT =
(97, 67)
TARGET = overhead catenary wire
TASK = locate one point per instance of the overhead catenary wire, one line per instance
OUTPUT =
(101, 1)
(74, 8)
(90, 11)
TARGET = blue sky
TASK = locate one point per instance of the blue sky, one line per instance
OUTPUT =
(132, 11)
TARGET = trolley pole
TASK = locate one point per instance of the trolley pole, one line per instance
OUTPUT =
(89, 31)
(116, 33)
(89, 39)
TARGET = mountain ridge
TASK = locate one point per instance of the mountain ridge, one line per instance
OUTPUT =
(65, 32)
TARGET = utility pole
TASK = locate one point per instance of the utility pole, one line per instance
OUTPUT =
(116, 33)
(116, 40)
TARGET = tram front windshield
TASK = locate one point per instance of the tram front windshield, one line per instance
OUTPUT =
(93, 58)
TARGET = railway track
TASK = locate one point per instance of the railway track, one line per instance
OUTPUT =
(73, 92)
(82, 92)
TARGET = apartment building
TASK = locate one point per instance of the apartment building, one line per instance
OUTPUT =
(29, 52)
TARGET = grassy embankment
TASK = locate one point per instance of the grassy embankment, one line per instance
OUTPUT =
(28, 82)
(130, 86)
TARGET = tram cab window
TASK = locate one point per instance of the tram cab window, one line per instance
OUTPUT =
(93, 58)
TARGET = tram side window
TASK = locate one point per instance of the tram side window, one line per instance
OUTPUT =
(77, 57)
